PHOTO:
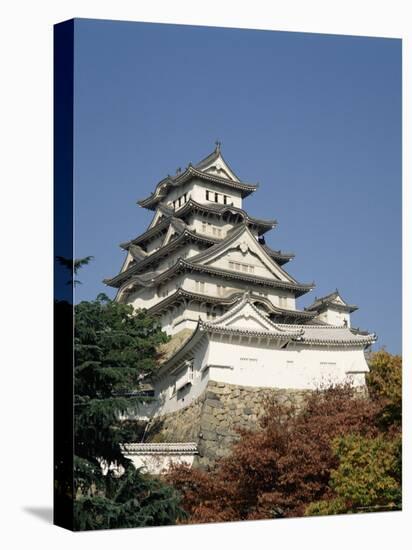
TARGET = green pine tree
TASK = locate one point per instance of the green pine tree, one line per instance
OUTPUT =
(115, 350)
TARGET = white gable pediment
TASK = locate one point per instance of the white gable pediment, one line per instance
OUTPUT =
(156, 218)
(249, 320)
(244, 315)
(169, 234)
(219, 167)
(245, 255)
(338, 300)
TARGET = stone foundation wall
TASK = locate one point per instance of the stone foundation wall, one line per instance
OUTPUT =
(212, 420)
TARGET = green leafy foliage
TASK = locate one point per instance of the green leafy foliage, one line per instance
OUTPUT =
(385, 386)
(369, 473)
(132, 500)
(115, 351)
(368, 477)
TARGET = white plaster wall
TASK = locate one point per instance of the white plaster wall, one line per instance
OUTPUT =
(261, 366)
(198, 192)
(177, 192)
(334, 317)
(214, 221)
(299, 368)
(158, 463)
(166, 401)
(148, 297)
(172, 258)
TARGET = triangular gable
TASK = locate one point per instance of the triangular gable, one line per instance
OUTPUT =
(169, 234)
(244, 315)
(244, 245)
(338, 300)
(218, 167)
(127, 261)
(159, 215)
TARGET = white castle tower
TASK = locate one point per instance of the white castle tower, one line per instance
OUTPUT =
(202, 266)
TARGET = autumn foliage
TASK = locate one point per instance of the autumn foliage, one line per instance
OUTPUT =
(298, 461)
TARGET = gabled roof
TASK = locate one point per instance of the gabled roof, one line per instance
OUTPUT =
(185, 295)
(279, 256)
(240, 237)
(153, 278)
(245, 316)
(169, 214)
(185, 236)
(331, 301)
(137, 252)
(334, 335)
(220, 209)
(215, 159)
(200, 171)
(151, 233)
(197, 263)
(243, 319)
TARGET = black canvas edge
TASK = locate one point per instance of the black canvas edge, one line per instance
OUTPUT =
(63, 84)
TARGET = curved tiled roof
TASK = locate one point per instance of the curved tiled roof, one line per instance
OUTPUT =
(190, 206)
(324, 302)
(231, 236)
(184, 265)
(210, 327)
(182, 294)
(178, 448)
(211, 158)
(191, 172)
(216, 208)
(278, 255)
(334, 335)
(185, 235)
(157, 229)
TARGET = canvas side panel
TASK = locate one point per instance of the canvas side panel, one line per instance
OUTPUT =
(63, 274)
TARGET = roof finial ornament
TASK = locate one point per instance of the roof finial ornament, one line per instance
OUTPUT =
(178, 170)
(218, 145)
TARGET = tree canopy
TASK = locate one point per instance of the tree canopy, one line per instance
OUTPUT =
(115, 351)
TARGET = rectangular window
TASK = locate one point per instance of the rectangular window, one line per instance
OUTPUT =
(244, 268)
(185, 197)
(216, 197)
(207, 195)
(174, 205)
(180, 201)
(225, 199)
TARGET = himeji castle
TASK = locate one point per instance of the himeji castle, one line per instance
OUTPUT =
(226, 299)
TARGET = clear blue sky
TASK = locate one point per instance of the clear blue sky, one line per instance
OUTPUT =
(316, 119)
